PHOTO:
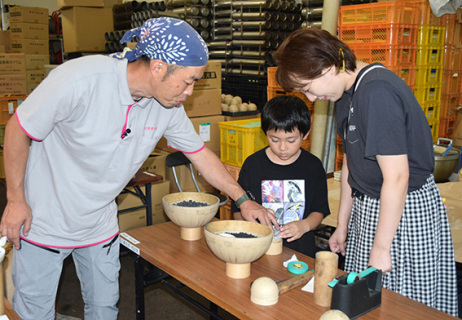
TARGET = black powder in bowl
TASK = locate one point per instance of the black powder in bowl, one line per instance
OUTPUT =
(190, 204)
(238, 234)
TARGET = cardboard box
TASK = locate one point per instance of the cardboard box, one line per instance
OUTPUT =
(29, 46)
(13, 84)
(211, 78)
(5, 40)
(156, 163)
(84, 28)
(27, 30)
(205, 102)
(132, 220)
(207, 128)
(31, 86)
(50, 67)
(13, 63)
(64, 4)
(33, 78)
(37, 61)
(137, 218)
(29, 14)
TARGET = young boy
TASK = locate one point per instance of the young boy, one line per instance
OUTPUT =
(286, 178)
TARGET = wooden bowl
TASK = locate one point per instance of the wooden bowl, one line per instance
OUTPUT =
(190, 219)
(238, 253)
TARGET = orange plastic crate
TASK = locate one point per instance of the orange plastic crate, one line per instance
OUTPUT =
(451, 82)
(452, 57)
(425, 15)
(407, 73)
(449, 22)
(278, 91)
(386, 33)
(271, 71)
(447, 126)
(390, 11)
(233, 170)
(389, 55)
(449, 104)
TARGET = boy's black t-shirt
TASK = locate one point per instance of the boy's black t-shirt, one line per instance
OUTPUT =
(300, 187)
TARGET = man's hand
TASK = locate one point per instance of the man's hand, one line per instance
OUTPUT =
(252, 211)
(16, 215)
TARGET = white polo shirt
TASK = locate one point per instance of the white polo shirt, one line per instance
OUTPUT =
(78, 162)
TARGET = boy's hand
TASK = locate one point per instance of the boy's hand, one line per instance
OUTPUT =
(252, 211)
(293, 230)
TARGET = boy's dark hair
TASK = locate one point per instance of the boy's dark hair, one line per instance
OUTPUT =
(286, 113)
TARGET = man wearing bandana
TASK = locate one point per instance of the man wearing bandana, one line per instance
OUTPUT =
(73, 145)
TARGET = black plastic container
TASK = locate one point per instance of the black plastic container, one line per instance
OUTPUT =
(359, 297)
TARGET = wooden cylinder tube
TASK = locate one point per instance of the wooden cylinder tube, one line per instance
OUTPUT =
(326, 268)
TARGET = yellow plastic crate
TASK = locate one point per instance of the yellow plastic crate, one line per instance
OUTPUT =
(426, 55)
(434, 127)
(428, 75)
(432, 110)
(239, 139)
(425, 93)
(431, 35)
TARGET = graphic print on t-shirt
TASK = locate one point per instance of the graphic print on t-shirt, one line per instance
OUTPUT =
(285, 197)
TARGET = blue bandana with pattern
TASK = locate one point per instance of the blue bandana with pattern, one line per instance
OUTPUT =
(171, 40)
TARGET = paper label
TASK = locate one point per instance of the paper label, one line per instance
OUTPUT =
(204, 131)
(130, 246)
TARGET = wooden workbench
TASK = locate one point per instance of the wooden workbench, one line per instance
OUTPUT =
(193, 264)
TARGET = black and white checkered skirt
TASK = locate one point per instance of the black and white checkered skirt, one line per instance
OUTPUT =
(422, 252)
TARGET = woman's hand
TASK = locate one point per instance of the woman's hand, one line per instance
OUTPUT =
(337, 241)
(380, 258)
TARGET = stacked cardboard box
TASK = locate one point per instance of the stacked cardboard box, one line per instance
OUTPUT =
(13, 74)
(84, 24)
(29, 36)
(29, 30)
